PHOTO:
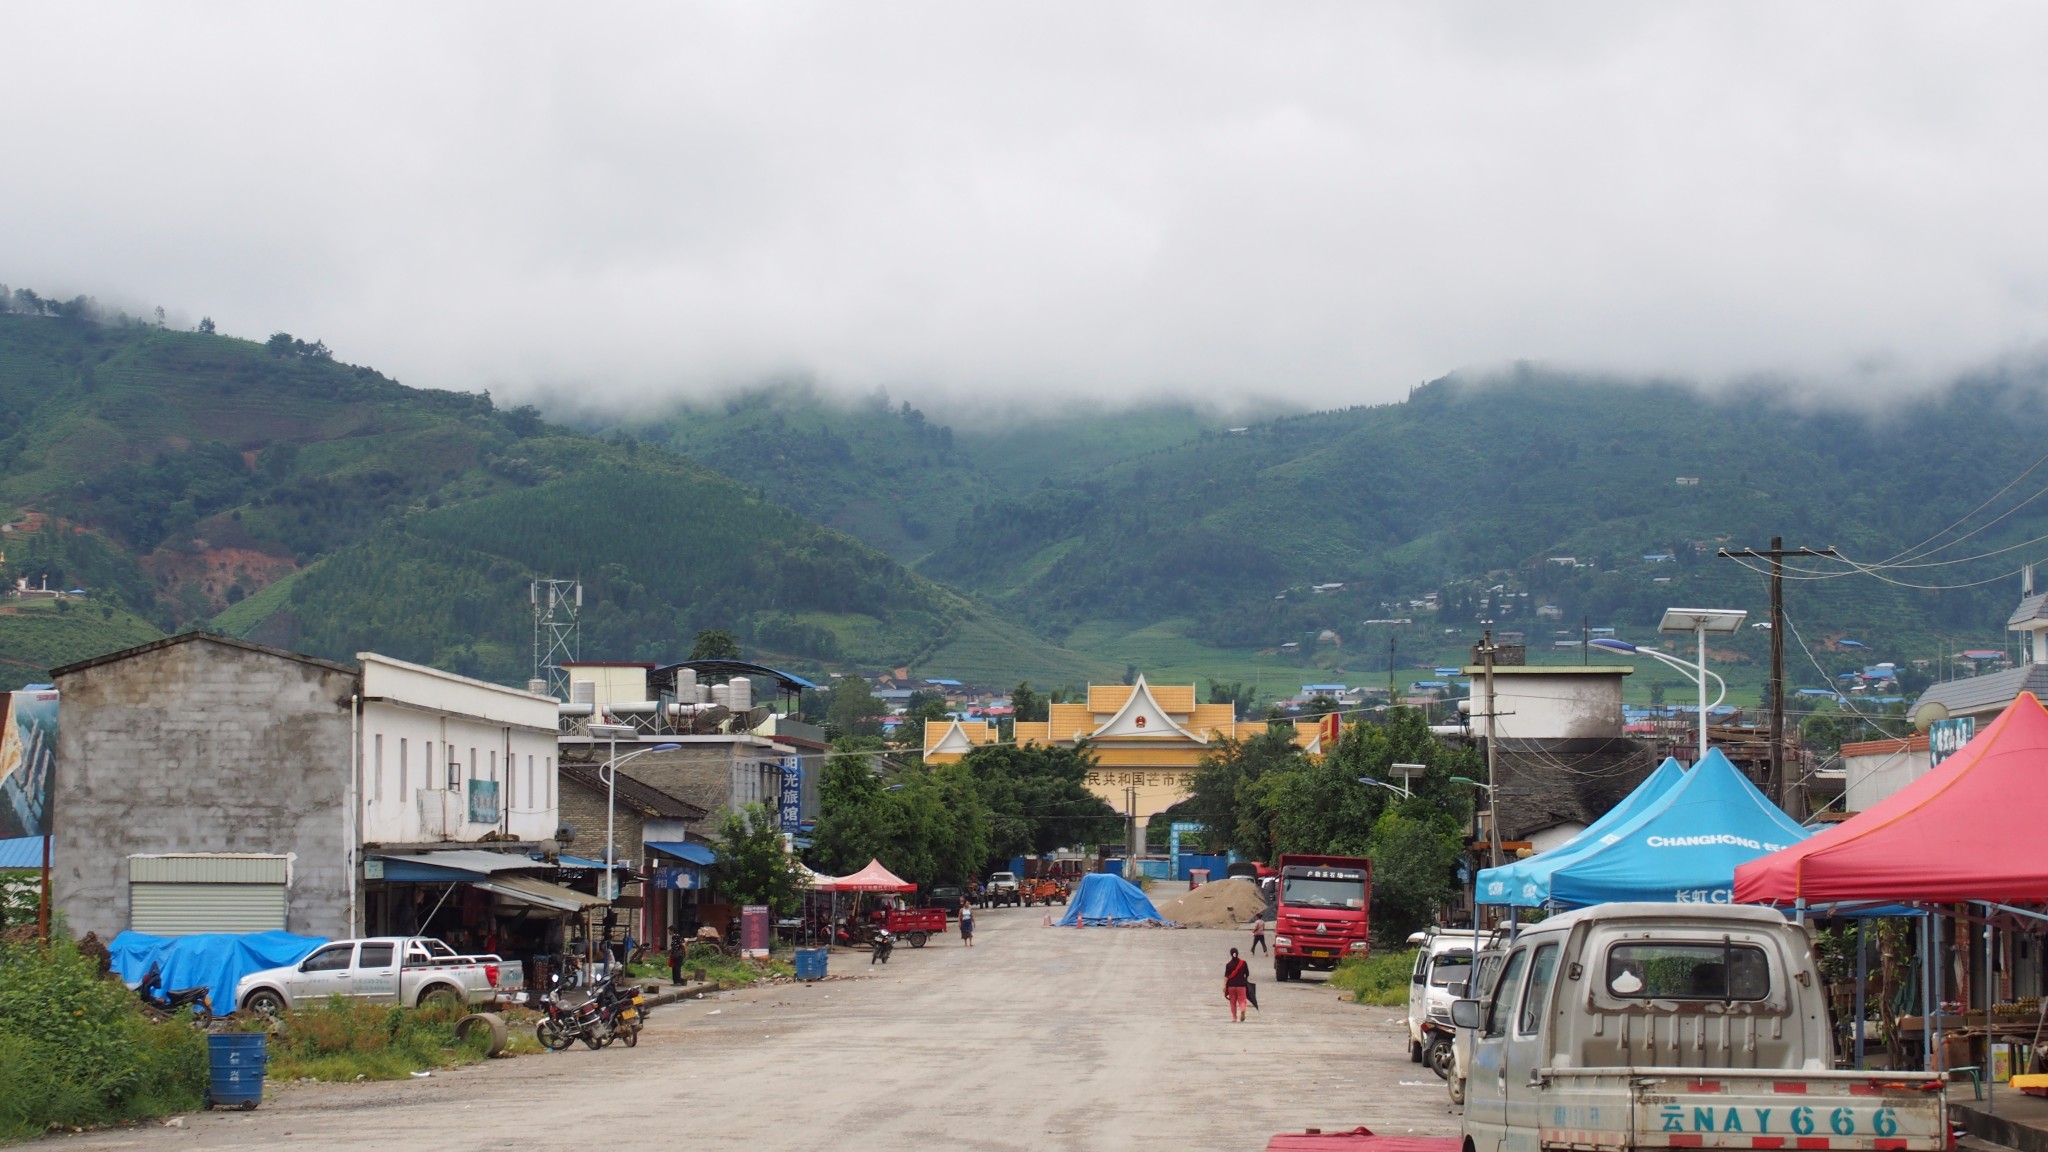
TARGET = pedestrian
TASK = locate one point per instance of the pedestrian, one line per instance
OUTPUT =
(676, 954)
(1236, 976)
(1259, 935)
(967, 925)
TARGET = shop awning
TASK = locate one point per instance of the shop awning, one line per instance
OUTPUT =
(454, 864)
(528, 890)
(22, 852)
(1964, 831)
(699, 854)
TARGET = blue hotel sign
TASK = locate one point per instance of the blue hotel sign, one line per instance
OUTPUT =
(791, 805)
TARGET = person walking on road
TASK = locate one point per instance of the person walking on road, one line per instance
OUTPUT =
(676, 954)
(967, 925)
(1259, 935)
(1236, 975)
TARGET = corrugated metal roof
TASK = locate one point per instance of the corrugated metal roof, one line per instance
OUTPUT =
(467, 860)
(22, 852)
(209, 868)
(528, 890)
(1989, 692)
(695, 853)
(638, 794)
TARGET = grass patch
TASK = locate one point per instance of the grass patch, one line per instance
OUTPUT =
(722, 971)
(348, 1039)
(1380, 979)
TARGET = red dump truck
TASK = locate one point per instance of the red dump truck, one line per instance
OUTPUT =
(1324, 913)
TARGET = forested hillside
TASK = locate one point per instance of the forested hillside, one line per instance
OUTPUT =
(191, 479)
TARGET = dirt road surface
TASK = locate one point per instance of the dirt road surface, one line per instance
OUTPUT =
(1036, 1038)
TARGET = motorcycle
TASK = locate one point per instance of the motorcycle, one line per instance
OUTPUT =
(155, 995)
(1438, 1045)
(622, 1008)
(884, 944)
(611, 1012)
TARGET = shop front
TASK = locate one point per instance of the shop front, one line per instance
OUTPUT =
(508, 904)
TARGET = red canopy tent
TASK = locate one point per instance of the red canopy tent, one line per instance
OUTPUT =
(873, 878)
(1966, 831)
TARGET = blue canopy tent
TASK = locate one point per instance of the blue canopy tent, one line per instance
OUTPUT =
(1105, 899)
(1525, 883)
(1686, 847)
(218, 960)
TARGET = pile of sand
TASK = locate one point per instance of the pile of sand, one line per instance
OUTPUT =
(1218, 904)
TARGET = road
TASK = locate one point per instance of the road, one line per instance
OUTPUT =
(1036, 1038)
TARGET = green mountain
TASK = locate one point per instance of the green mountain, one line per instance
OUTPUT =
(1194, 548)
(188, 479)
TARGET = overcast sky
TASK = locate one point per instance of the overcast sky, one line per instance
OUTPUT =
(1327, 203)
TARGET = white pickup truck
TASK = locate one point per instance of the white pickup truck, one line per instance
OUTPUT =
(1675, 1026)
(408, 970)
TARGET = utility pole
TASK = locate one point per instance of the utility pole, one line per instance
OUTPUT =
(1486, 651)
(1776, 691)
(1391, 639)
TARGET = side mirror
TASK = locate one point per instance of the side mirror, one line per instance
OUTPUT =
(1465, 1013)
(1457, 988)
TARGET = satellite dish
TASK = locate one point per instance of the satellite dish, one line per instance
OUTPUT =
(566, 834)
(550, 848)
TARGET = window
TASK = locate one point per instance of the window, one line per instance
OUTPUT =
(454, 769)
(1450, 968)
(375, 956)
(333, 958)
(427, 781)
(377, 766)
(404, 785)
(1536, 997)
(494, 763)
(1688, 972)
(1421, 967)
(1504, 993)
(529, 779)
(475, 765)
(548, 770)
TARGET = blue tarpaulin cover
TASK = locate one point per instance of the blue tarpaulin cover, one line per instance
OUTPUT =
(1684, 848)
(218, 960)
(1525, 883)
(1104, 899)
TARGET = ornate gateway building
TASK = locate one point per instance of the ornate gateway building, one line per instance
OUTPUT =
(1147, 741)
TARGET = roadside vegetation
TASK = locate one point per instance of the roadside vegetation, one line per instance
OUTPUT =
(76, 1050)
(348, 1039)
(720, 970)
(1380, 979)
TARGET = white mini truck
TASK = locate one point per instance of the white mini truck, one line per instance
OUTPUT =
(407, 970)
(1631, 1026)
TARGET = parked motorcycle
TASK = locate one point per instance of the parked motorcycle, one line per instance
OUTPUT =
(154, 994)
(613, 1011)
(1438, 1045)
(884, 944)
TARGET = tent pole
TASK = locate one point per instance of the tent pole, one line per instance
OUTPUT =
(1926, 997)
(1935, 981)
(1862, 975)
(1990, 995)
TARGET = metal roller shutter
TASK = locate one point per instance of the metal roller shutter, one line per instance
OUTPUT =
(185, 909)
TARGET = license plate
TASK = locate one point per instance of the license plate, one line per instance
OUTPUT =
(1319, 953)
(629, 1014)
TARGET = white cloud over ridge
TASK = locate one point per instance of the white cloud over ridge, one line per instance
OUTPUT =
(1322, 203)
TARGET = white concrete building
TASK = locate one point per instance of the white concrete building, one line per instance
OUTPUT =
(447, 758)
(1550, 701)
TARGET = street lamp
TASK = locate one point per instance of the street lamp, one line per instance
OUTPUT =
(610, 772)
(1398, 789)
(1492, 819)
(1699, 622)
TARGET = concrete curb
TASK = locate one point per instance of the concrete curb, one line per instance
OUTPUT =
(690, 989)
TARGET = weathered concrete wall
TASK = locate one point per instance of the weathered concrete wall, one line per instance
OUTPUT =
(202, 747)
(584, 808)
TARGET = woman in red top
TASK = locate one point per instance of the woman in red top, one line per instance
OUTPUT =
(1236, 974)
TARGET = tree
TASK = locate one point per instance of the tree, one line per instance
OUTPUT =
(751, 867)
(206, 325)
(1038, 800)
(714, 644)
(854, 711)
(922, 709)
(1029, 705)
(930, 825)
(1237, 694)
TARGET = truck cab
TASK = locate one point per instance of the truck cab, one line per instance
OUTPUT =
(1322, 913)
(1633, 1026)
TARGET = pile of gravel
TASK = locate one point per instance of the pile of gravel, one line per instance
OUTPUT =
(1218, 904)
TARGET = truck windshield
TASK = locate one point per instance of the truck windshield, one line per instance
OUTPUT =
(1301, 890)
(1688, 972)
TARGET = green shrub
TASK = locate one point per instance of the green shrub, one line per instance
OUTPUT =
(346, 1039)
(1381, 978)
(76, 1050)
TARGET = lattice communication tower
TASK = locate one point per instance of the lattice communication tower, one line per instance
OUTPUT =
(557, 632)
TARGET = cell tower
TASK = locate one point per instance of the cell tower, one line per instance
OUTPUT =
(557, 631)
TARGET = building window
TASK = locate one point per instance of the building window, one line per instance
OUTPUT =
(427, 781)
(403, 782)
(548, 770)
(529, 779)
(454, 769)
(474, 764)
(377, 766)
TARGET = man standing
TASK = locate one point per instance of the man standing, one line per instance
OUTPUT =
(1259, 935)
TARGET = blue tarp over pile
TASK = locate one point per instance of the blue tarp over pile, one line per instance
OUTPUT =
(218, 960)
(1105, 899)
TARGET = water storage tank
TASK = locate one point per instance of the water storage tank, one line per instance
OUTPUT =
(703, 693)
(537, 687)
(740, 694)
(721, 695)
(582, 691)
(686, 684)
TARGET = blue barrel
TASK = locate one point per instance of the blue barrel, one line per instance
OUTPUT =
(810, 963)
(235, 1069)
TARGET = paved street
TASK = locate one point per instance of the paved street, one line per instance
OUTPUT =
(1036, 1038)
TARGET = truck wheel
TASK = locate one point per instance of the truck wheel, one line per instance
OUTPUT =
(489, 1025)
(917, 939)
(440, 996)
(1457, 1086)
(1439, 1057)
(264, 1002)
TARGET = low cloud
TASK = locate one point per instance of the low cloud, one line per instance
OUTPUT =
(1311, 204)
